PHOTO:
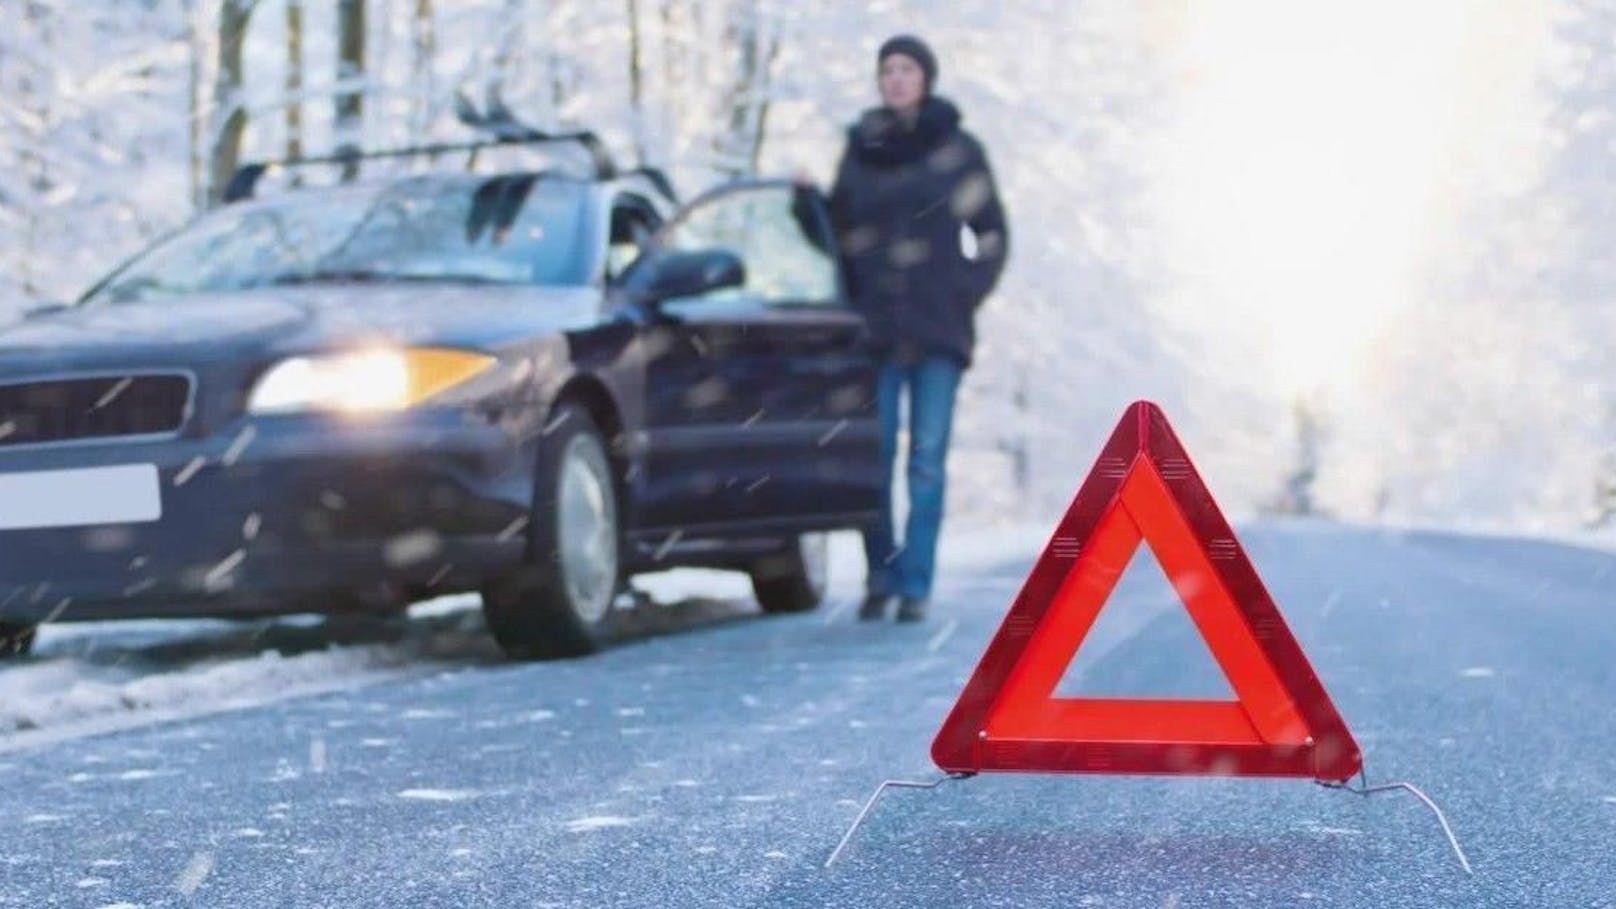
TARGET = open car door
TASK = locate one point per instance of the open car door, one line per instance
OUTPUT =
(759, 394)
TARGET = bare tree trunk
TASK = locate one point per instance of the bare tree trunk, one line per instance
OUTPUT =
(294, 79)
(515, 15)
(737, 45)
(423, 67)
(563, 79)
(673, 19)
(193, 40)
(33, 87)
(760, 125)
(673, 59)
(636, 79)
(738, 145)
(700, 56)
(350, 100)
(378, 64)
(229, 113)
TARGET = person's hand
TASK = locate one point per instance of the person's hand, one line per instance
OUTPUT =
(804, 179)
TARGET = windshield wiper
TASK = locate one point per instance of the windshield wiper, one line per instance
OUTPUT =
(451, 279)
(334, 275)
(366, 276)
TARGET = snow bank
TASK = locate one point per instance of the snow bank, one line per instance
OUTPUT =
(100, 677)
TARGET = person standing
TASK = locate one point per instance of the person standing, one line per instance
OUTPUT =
(923, 237)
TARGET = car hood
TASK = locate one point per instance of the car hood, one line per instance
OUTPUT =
(315, 317)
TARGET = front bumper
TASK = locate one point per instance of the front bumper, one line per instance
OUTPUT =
(281, 514)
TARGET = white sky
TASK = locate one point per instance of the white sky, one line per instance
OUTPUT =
(1317, 162)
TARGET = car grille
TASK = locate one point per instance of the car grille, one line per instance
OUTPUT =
(100, 407)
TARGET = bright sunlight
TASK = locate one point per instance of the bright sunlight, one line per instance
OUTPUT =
(1315, 159)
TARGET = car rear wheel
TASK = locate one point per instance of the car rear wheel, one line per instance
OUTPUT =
(793, 579)
(16, 640)
(559, 603)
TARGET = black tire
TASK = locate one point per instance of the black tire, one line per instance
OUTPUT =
(559, 603)
(793, 579)
(16, 640)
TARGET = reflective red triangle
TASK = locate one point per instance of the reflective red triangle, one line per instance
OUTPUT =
(1144, 489)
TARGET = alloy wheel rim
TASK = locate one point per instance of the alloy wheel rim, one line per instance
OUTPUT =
(588, 532)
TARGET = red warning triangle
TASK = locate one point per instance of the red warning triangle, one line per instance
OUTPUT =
(1144, 488)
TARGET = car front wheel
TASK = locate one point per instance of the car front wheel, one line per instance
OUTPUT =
(559, 602)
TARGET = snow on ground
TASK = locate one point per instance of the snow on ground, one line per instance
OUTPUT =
(103, 676)
(98, 677)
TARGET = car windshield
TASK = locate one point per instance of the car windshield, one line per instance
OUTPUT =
(517, 229)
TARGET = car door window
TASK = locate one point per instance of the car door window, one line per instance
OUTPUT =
(778, 240)
(633, 225)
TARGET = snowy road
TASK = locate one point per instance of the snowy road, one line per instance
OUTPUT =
(718, 766)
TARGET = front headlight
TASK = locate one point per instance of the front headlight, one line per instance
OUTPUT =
(366, 381)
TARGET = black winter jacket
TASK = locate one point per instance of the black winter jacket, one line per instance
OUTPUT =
(898, 206)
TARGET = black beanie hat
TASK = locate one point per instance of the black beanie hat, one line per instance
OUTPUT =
(916, 50)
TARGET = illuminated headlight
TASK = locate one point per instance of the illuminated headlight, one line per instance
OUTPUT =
(366, 381)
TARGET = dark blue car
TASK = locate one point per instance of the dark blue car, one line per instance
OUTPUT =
(527, 384)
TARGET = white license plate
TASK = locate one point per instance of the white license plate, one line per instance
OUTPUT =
(126, 494)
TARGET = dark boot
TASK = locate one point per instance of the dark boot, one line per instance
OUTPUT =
(874, 607)
(912, 609)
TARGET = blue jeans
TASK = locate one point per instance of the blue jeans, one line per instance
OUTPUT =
(906, 570)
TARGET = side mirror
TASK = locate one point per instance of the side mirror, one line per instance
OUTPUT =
(669, 275)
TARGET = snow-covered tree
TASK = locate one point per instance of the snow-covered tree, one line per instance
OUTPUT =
(118, 121)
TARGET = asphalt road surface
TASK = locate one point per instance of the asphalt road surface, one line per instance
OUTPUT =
(719, 764)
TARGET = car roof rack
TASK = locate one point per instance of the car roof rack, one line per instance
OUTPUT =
(497, 121)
